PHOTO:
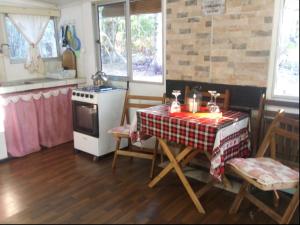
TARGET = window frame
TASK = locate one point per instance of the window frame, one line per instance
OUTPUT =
(272, 76)
(129, 76)
(19, 61)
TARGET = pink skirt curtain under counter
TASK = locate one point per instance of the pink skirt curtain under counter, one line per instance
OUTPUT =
(37, 119)
(21, 128)
(55, 119)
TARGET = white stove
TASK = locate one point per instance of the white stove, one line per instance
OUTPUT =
(95, 111)
(90, 94)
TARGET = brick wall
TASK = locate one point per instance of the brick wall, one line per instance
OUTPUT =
(232, 48)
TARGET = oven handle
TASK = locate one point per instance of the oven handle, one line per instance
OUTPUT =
(95, 107)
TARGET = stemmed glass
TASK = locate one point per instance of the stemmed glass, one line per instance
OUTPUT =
(211, 102)
(215, 108)
(175, 107)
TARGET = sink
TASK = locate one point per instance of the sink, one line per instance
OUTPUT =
(25, 82)
(14, 83)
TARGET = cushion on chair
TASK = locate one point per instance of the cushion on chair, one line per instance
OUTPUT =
(265, 171)
(128, 130)
(125, 130)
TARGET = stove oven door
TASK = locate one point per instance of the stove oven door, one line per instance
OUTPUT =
(85, 118)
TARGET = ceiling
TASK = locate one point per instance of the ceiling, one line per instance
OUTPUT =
(58, 2)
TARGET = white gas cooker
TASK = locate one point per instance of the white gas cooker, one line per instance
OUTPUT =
(95, 111)
(90, 94)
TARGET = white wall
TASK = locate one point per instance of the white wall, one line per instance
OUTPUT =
(16, 71)
(73, 15)
(89, 40)
(82, 14)
(2, 69)
(3, 149)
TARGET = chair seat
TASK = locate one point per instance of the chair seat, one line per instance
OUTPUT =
(266, 171)
(122, 130)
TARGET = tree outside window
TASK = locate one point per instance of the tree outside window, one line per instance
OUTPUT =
(146, 45)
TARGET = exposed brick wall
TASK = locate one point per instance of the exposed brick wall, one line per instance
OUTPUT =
(233, 48)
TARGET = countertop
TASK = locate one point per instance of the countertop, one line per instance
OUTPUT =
(26, 85)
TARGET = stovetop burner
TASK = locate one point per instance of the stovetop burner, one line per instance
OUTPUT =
(96, 88)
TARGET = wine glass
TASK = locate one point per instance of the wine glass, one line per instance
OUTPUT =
(211, 102)
(175, 107)
(215, 108)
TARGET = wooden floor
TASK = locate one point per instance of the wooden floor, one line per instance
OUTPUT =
(58, 186)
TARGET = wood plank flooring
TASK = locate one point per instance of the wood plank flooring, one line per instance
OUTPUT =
(58, 186)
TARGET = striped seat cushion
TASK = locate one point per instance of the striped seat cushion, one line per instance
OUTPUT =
(125, 130)
(265, 171)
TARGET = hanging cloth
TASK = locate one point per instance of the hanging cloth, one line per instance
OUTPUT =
(33, 29)
(37, 118)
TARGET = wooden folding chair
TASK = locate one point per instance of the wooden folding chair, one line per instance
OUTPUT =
(134, 102)
(266, 113)
(267, 173)
(223, 100)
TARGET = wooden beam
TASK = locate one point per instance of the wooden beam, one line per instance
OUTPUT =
(29, 11)
(135, 154)
(205, 189)
(266, 209)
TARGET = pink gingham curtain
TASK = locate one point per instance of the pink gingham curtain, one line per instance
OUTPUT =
(37, 119)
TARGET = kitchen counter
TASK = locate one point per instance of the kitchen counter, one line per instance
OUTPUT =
(32, 84)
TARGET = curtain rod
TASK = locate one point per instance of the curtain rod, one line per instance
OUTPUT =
(29, 11)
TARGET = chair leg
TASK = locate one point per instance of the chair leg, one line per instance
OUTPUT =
(129, 148)
(161, 151)
(154, 158)
(276, 199)
(289, 212)
(161, 157)
(239, 198)
(116, 153)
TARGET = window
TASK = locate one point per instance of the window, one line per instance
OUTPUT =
(113, 39)
(141, 58)
(19, 46)
(286, 80)
(146, 41)
(48, 44)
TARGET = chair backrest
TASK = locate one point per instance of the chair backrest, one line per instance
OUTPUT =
(266, 113)
(139, 102)
(223, 100)
(282, 139)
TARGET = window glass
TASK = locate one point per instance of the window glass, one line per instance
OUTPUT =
(146, 41)
(47, 45)
(144, 49)
(18, 45)
(112, 26)
(286, 83)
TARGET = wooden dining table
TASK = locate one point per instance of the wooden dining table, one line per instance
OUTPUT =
(220, 136)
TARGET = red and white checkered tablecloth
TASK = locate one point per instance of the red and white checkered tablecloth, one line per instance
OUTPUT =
(224, 138)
